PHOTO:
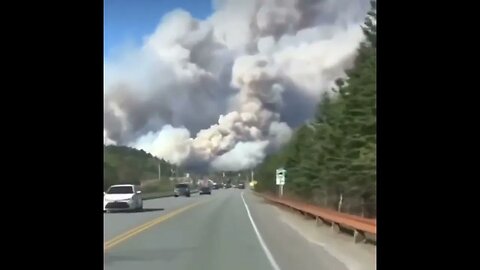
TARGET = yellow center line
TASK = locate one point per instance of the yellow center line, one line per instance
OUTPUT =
(129, 234)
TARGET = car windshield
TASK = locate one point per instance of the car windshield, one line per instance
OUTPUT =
(120, 190)
(181, 186)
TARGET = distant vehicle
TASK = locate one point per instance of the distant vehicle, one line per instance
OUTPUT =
(205, 190)
(204, 187)
(122, 198)
(228, 186)
(241, 186)
(217, 185)
(182, 190)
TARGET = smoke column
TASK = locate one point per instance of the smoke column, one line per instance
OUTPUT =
(223, 92)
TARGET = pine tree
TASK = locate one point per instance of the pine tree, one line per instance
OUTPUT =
(336, 153)
(358, 124)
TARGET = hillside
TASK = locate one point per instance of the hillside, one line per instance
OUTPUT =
(123, 164)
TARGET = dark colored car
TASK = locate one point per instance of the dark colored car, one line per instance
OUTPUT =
(228, 186)
(182, 190)
(205, 190)
(241, 186)
(217, 186)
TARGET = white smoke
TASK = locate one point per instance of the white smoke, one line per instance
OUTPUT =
(171, 144)
(243, 156)
(107, 140)
(240, 80)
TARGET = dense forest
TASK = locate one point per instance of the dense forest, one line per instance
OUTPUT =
(123, 164)
(331, 161)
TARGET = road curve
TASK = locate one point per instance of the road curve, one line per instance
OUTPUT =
(209, 232)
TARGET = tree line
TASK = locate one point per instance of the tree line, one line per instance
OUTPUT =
(125, 165)
(331, 161)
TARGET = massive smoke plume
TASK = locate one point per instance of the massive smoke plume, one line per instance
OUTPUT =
(223, 92)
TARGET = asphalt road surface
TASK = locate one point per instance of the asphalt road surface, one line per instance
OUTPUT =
(209, 232)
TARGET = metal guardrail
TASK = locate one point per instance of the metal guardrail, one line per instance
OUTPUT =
(363, 228)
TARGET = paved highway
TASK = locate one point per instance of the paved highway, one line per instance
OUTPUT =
(214, 232)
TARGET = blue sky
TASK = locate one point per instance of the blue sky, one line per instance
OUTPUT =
(126, 22)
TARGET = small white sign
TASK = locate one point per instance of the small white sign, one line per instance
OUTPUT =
(280, 179)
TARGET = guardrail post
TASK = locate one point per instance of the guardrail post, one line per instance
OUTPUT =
(335, 227)
(319, 221)
(358, 236)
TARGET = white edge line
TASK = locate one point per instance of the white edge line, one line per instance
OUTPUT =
(260, 239)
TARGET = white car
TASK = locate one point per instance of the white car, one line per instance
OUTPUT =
(122, 198)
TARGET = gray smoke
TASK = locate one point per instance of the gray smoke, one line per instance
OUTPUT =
(225, 91)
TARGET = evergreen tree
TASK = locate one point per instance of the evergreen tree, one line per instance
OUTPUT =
(335, 155)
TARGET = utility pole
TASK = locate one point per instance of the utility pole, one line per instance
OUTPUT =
(159, 171)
